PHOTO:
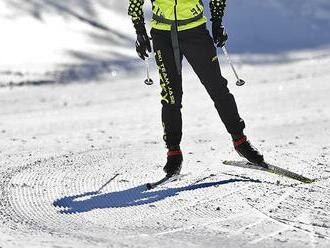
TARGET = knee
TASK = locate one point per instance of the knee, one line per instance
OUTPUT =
(223, 81)
(223, 89)
(220, 93)
(217, 89)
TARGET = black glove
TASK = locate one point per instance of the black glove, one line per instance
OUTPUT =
(219, 34)
(142, 43)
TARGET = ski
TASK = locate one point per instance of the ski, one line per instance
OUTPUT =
(164, 180)
(270, 168)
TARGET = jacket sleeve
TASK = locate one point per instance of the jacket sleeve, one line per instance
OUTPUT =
(135, 10)
(217, 8)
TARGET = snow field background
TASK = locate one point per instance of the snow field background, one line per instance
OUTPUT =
(60, 144)
(49, 188)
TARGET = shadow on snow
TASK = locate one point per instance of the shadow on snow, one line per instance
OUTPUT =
(128, 198)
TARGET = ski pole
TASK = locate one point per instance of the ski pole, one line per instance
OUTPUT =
(148, 81)
(104, 185)
(239, 82)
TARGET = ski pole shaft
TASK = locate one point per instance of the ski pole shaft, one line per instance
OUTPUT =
(148, 80)
(239, 82)
(104, 185)
(224, 49)
(148, 68)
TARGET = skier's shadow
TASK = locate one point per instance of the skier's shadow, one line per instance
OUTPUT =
(128, 198)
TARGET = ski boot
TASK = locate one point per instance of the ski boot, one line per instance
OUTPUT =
(174, 161)
(244, 148)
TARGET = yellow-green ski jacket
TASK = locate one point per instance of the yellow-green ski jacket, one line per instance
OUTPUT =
(176, 10)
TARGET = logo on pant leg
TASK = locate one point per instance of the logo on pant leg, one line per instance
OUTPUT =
(215, 58)
(167, 94)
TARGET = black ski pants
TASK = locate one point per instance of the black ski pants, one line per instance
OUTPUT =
(196, 45)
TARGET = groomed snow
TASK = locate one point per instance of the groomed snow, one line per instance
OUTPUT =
(61, 144)
(74, 158)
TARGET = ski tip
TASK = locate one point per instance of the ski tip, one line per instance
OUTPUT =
(307, 180)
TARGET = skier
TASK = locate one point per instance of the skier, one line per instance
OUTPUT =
(179, 29)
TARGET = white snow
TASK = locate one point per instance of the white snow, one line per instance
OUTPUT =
(60, 145)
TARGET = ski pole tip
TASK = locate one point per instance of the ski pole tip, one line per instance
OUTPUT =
(240, 82)
(148, 186)
(149, 81)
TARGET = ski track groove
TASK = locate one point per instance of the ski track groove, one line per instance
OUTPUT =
(33, 219)
(182, 208)
(231, 233)
(275, 233)
(203, 225)
(27, 212)
(285, 222)
(30, 215)
(36, 186)
(206, 199)
(312, 234)
(270, 235)
(264, 217)
(244, 228)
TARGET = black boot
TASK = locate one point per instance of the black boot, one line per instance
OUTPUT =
(244, 148)
(174, 161)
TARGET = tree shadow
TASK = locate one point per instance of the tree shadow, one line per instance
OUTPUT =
(93, 67)
(253, 27)
(271, 30)
(80, 10)
(136, 196)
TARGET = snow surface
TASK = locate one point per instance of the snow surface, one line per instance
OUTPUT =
(61, 146)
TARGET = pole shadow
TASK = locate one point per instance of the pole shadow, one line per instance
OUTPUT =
(135, 196)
